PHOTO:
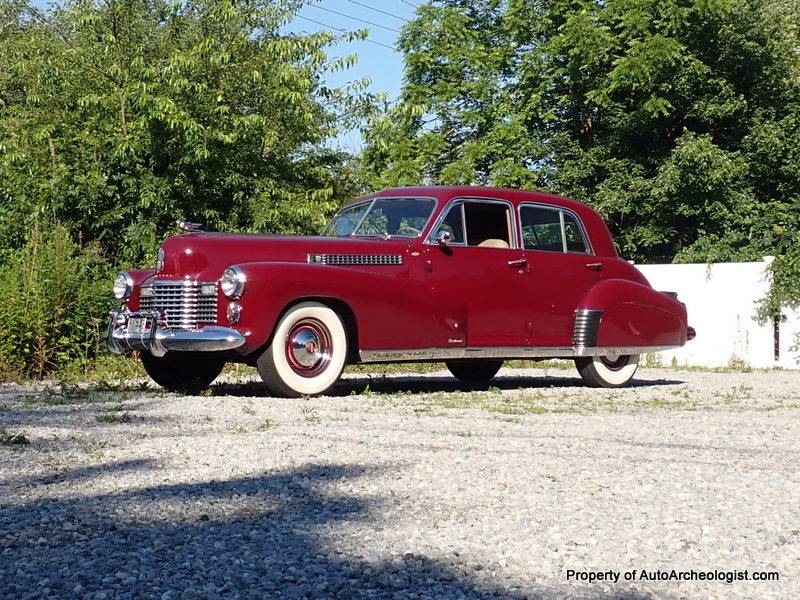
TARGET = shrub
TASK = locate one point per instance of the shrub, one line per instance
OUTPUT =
(54, 298)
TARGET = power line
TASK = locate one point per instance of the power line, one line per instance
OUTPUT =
(409, 3)
(335, 12)
(378, 10)
(343, 30)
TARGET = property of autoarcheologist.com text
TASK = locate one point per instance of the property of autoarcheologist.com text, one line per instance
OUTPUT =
(614, 576)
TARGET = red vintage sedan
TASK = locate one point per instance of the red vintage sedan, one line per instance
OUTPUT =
(470, 276)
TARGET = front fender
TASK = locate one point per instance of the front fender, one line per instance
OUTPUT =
(379, 298)
(634, 314)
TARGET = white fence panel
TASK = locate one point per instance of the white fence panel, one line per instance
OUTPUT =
(722, 300)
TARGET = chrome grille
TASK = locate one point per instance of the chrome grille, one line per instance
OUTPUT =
(584, 334)
(356, 259)
(181, 304)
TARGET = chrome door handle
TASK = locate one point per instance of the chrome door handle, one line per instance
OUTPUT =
(519, 263)
(596, 266)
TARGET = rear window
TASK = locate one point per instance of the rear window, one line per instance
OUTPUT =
(542, 230)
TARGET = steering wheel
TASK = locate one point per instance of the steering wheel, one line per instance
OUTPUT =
(408, 230)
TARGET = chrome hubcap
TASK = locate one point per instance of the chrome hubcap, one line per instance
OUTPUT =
(309, 347)
(615, 362)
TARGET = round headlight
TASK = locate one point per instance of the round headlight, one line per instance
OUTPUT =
(160, 259)
(232, 282)
(123, 285)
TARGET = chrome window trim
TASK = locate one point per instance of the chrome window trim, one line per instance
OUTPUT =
(561, 209)
(372, 201)
(430, 241)
(361, 220)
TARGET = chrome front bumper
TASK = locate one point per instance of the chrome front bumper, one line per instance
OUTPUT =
(158, 340)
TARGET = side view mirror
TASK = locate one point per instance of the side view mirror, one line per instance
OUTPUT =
(443, 238)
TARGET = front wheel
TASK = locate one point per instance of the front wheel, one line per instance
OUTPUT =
(608, 371)
(183, 372)
(307, 353)
(474, 372)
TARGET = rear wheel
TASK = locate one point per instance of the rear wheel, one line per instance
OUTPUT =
(184, 372)
(307, 353)
(608, 371)
(474, 371)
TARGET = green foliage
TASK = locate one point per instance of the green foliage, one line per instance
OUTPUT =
(54, 301)
(678, 120)
(118, 117)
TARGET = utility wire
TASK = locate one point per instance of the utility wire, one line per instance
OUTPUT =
(354, 18)
(409, 3)
(378, 10)
(343, 31)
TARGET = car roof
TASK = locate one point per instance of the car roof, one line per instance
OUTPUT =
(447, 192)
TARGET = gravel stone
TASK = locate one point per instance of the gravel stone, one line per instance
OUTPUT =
(403, 486)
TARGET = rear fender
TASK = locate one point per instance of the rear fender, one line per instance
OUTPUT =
(633, 314)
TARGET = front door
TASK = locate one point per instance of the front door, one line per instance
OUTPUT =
(476, 277)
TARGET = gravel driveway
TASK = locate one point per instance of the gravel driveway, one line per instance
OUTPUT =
(403, 487)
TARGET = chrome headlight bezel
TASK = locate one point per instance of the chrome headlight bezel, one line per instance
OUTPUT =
(232, 282)
(123, 285)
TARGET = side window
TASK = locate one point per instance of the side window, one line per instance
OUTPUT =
(575, 241)
(488, 224)
(541, 229)
(453, 224)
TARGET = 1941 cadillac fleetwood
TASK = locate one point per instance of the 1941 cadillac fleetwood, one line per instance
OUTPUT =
(466, 275)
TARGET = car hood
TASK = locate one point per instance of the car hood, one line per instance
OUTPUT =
(206, 255)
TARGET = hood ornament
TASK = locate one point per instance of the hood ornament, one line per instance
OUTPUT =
(188, 226)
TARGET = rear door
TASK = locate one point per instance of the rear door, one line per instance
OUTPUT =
(562, 270)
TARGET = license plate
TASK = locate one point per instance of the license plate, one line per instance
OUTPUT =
(137, 325)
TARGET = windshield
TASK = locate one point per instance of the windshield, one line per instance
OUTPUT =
(397, 217)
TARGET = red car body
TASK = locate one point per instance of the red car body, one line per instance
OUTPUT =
(418, 298)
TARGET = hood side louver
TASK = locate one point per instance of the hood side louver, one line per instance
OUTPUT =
(355, 259)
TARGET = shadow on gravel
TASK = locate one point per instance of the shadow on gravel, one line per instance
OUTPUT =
(80, 474)
(260, 537)
(428, 385)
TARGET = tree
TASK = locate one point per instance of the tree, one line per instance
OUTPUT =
(677, 119)
(119, 116)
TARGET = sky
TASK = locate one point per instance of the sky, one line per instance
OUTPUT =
(382, 64)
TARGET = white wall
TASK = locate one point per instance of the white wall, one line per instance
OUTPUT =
(722, 301)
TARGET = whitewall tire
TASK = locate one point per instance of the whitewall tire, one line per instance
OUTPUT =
(307, 353)
(608, 371)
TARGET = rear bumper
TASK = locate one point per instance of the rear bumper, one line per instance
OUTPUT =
(159, 340)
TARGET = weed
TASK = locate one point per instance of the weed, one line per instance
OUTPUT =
(265, 425)
(310, 414)
(114, 417)
(13, 439)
